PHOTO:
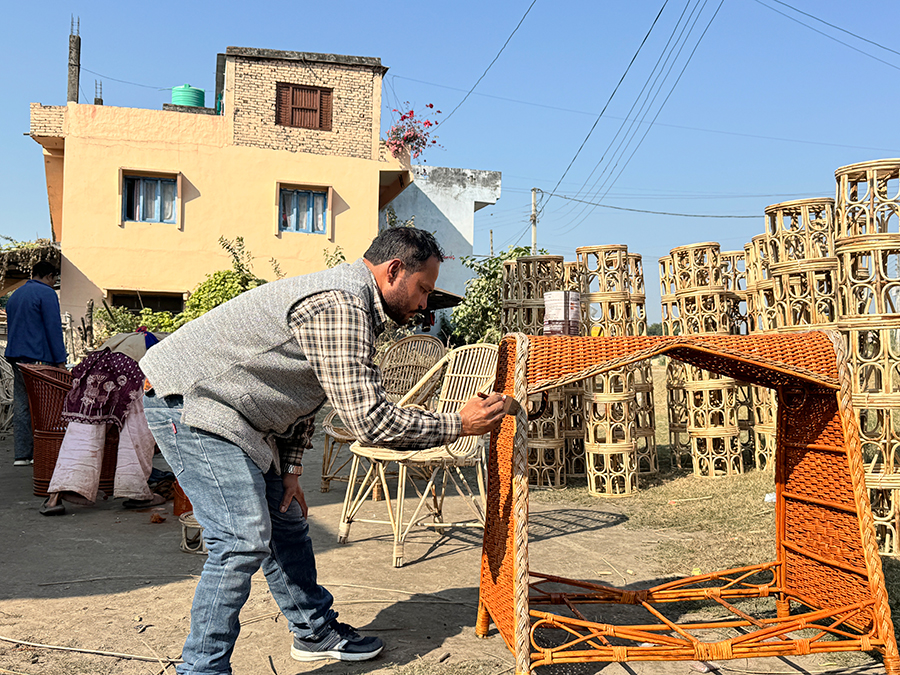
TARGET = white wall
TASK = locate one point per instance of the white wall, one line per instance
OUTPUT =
(444, 202)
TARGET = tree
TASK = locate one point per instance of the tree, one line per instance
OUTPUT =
(654, 329)
(477, 317)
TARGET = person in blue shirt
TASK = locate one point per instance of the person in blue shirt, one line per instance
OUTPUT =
(34, 336)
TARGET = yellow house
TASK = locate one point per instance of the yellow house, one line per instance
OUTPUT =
(292, 163)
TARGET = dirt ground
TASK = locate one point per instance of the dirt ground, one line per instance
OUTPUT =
(105, 579)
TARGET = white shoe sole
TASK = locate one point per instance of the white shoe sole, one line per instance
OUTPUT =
(298, 655)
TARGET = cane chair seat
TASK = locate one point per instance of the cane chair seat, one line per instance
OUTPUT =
(458, 376)
(401, 366)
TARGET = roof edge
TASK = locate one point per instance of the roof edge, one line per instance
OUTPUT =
(341, 59)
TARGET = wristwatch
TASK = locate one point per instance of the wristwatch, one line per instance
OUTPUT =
(296, 469)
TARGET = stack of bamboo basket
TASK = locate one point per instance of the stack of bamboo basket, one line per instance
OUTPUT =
(704, 292)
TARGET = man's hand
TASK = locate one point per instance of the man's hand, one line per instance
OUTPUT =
(481, 415)
(292, 490)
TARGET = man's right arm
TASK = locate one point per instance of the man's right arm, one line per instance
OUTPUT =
(335, 334)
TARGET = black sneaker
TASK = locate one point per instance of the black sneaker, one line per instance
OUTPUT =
(336, 641)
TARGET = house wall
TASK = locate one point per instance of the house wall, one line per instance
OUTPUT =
(444, 201)
(226, 191)
(250, 82)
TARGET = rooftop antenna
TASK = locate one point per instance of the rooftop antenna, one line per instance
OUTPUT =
(74, 59)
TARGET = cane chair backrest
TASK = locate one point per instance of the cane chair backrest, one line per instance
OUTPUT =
(463, 372)
(405, 361)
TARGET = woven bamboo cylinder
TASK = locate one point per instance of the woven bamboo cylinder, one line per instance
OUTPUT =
(867, 200)
(764, 427)
(609, 433)
(800, 230)
(546, 445)
(613, 305)
(713, 423)
(734, 271)
(571, 276)
(573, 431)
(869, 284)
(697, 267)
(806, 294)
(537, 274)
(704, 312)
(677, 409)
(509, 308)
(644, 423)
(711, 290)
(525, 280)
(667, 278)
(604, 269)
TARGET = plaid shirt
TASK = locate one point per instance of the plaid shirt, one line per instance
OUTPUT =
(337, 335)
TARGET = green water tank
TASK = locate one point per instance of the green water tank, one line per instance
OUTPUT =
(189, 96)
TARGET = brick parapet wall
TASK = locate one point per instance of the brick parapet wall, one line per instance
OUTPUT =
(47, 120)
(354, 113)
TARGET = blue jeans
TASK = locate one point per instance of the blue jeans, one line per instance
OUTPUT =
(23, 439)
(237, 504)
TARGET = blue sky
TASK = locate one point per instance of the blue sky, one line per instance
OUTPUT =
(764, 111)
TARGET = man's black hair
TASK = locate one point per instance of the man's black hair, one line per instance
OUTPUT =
(413, 247)
(43, 269)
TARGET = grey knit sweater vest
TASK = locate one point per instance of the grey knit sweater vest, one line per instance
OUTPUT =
(239, 367)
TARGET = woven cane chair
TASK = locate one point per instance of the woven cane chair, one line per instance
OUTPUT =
(402, 364)
(826, 581)
(47, 387)
(463, 373)
(6, 398)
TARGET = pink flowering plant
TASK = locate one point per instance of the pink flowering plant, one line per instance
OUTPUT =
(412, 132)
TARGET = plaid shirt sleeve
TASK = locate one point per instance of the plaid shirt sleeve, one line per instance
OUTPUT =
(336, 333)
(290, 450)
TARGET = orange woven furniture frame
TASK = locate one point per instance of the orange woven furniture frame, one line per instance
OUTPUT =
(826, 580)
(47, 387)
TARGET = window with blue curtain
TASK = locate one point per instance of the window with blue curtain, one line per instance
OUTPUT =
(302, 211)
(149, 200)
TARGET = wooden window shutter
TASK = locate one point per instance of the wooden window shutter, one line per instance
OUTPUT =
(325, 110)
(283, 104)
(306, 107)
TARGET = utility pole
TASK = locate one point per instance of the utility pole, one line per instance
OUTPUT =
(74, 60)
(533, 221)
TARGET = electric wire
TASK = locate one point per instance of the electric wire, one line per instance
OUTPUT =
(629, 135)
(830, 37)
(594, 126)
(490, 64)
(666, 100)
(651, 81)
(107, 77)
(658, 213)
(843, 30)
(659, 124)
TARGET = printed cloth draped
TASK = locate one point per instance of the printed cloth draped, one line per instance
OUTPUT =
(104, 385)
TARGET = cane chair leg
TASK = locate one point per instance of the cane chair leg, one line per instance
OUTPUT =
(399, 533)
(353, 498)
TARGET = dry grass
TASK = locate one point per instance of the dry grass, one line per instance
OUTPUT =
(702, 523)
